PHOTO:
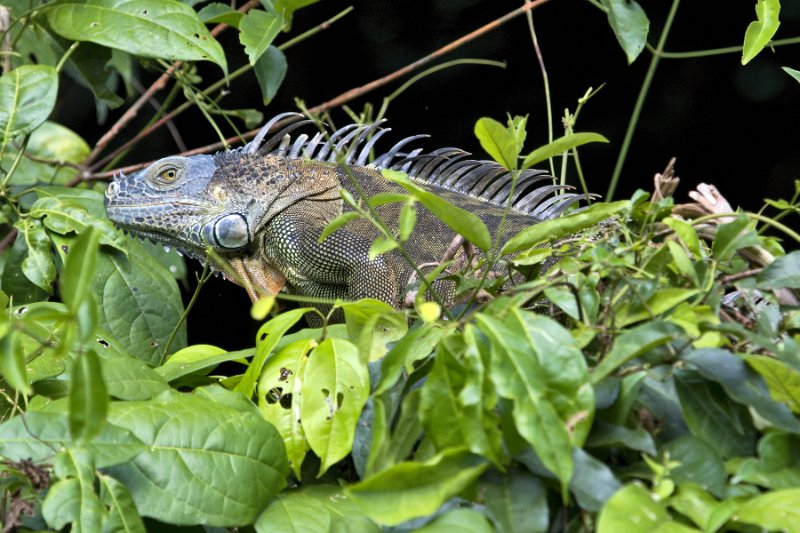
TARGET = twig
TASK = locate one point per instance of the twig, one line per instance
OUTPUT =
(352, 94)
(157, 85)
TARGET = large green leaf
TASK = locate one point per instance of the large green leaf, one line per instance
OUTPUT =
(777, 465)
(457, 402)
(630, 25)
(257, 30)
(516, 501)
(312, 509)
(778, 510)
(410, 490)
(467, 224)
(760, 31)
(742, 384)
(334, 390)
(165, 29)
(41, 434)
(27, 96)
(128, 378)
(536, 365)
(712, 416)
(205, 463)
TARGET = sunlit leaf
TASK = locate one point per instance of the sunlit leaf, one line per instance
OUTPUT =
(760, 32)
(561, 145)
(27, 96)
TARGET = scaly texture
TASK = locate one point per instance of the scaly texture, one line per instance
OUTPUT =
(260, 209)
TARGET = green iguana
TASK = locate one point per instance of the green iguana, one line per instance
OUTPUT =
(261, 209)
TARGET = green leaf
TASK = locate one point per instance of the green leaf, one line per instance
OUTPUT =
(760, 32)
(79, 269)
(778, 510)
(122, 513)
(73, 499)
(27, 96)
(793, 73)
(712, 416)
(782, 380)
(280, 398)
(165, 29)
(458, 521)
(410, 490)
(217, 12)
(12, 362)
(40, 434)
(498, 141)
(268, 336)
(632, 510)
(418, 343)
(516, 501)
(257, 30)
(699, 464)
(634, 343)
(732, 236)
(537, 366)
(89, 63)
(335, 388)
(659, 303)
(88, 397)
(407, 220)
(783, 272)
(287, 7)
(380, 246)
(630, 25)
(127, 378)
(372, 325)
(550, 230)
(270, 69)
(312, 509)
(777, 465)
(456, 404)
(38, 265)
(200, 358)
(604, 434)
(74, 215)
(694, 503)
(559, 146)
(467, 224)
(686, 233)
(742, 384)
(337, 223)
(205, 462)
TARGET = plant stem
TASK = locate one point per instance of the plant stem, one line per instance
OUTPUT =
(637, 109)
(546, 83)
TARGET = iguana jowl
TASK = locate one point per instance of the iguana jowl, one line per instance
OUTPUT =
(262, 207)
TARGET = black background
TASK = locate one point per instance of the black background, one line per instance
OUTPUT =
(733, 126)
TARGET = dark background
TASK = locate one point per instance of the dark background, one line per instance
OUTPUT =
(733, 126)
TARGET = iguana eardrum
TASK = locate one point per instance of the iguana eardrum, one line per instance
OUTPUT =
(261, 208)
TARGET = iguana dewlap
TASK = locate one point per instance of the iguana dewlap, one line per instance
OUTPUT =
(261, 208)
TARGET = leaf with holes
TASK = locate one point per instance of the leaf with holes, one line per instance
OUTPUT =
(335, 389)
(164, 29)
(280, 398)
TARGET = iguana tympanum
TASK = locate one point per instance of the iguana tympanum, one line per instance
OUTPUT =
(261, 209)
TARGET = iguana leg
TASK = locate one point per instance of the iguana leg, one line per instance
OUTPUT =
(258, 277)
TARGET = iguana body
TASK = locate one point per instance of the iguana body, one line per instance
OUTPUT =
(261, 209)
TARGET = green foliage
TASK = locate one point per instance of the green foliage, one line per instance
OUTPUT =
(646, 378)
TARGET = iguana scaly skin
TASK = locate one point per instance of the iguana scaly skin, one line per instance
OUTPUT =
(261, 209)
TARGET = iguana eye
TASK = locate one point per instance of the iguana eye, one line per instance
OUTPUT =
(168, 175)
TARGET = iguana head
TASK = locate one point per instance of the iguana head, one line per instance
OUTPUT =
(182, 202)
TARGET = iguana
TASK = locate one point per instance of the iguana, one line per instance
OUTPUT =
(261, 208)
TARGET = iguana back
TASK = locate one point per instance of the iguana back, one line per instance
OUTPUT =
(262, 208)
